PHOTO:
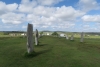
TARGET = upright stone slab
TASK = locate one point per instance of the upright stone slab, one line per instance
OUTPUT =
(36, 37)
(82, 37)
(30, 38)
(67, 37)
(72, 37)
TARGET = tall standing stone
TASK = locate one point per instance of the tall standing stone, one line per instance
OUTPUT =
(36, 37)
(67, 37)
(72, 37)
(30, 38)
(82, 37)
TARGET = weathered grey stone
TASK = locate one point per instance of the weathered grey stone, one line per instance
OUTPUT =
(67, 37)
(30, 38)
(72, 37)
(36, 37)
(82, 37)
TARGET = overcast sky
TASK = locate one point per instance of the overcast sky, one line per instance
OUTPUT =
(52, 15)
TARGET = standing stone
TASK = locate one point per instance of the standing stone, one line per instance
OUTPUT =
(67, 37)
(36, 37)
(82, 37)
(72, 37)
(30, 38)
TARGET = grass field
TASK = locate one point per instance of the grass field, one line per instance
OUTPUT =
(52, 52)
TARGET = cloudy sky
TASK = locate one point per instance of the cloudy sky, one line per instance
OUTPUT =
(52, 15)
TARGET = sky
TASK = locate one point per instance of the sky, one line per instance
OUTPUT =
(51, 15)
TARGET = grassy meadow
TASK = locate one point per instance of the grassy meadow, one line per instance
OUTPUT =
(52, 52)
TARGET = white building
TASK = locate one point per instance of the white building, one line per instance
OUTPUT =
(48, 33)
(62, 35)
(23, 34)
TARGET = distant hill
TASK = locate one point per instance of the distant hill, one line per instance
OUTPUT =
(12, 31)
(90, 33)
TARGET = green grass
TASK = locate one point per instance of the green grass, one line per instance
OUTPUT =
(52, 52)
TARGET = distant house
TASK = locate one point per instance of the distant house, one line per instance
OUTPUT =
(23, 34)
(96, 35)
(12, 34)
(48, 33)
(62, 35)
(17, 34)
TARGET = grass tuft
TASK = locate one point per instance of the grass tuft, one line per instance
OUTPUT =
(30, 55)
